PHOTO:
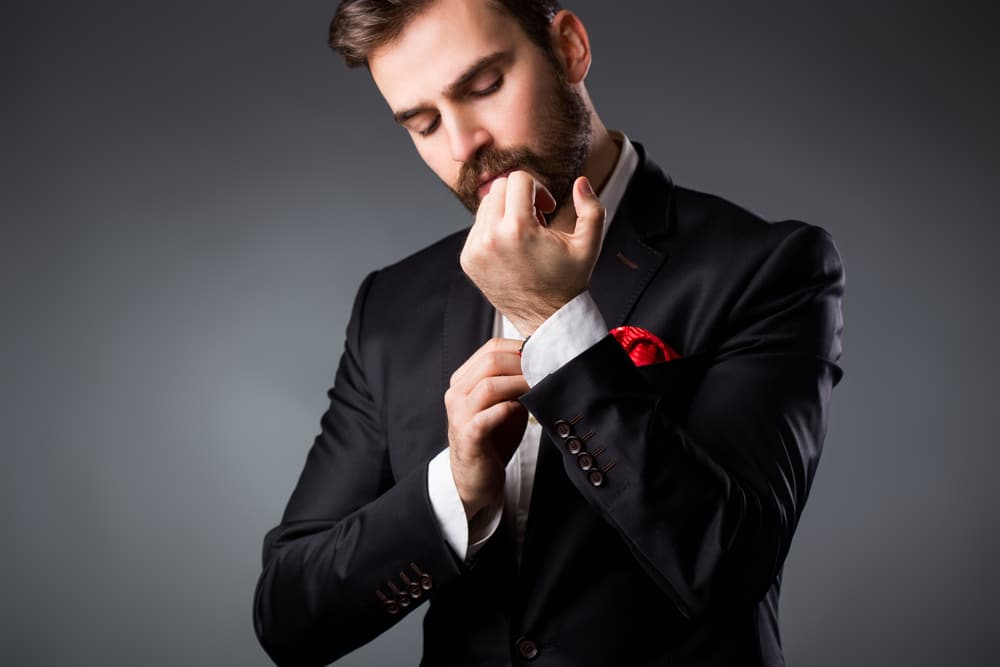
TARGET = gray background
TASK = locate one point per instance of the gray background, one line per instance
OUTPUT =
(192, 192)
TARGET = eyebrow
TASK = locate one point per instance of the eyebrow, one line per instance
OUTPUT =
(454, 89)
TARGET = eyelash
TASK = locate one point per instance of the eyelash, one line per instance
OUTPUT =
(433, 126)
(489, 90)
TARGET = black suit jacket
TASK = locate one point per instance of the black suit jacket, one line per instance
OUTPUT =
(673, 555)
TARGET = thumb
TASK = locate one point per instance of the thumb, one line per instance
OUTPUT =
(590, 212)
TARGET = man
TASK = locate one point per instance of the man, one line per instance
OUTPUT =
(491, 447)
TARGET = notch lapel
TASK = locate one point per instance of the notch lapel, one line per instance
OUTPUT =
(635, 248)
(636, 243)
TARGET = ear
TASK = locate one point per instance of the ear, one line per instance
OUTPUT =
(572, 45)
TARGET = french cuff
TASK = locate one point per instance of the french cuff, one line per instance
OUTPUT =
(465, 537)
(447, 505)
(569, 331)
(482, 527)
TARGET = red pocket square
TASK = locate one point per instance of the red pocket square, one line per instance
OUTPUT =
(643, 347)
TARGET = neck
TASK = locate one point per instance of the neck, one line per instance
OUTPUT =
(597, 168)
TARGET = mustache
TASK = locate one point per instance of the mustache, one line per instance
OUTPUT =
(492, 161)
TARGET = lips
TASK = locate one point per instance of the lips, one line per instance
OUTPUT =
(487, 183)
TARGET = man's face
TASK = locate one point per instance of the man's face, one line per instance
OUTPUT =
(479, 100)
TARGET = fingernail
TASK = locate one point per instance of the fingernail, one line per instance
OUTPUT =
(585, 187)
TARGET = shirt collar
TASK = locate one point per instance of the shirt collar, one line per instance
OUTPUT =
(614, 190)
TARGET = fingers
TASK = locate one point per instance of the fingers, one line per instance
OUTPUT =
(497, 356)
(493, 204)
(516, 198)
(493, 390)
(544, 201)
(590, 213)
(490, 376)
(484, 392)
(525, 197)
(496, 417)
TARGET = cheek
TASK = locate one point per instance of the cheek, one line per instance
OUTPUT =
(516, 120)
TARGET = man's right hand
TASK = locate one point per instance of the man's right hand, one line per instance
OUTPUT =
(485, 421)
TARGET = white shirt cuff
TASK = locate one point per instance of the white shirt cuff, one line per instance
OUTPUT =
(568, 332)
(465, 540)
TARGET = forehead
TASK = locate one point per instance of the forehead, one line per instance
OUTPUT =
(437, 46)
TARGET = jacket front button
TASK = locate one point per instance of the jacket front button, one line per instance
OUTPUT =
(526, 648)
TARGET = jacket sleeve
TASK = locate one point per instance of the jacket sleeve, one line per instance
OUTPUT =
(703, 464)
(355, 550)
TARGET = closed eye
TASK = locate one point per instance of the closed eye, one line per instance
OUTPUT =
(429, 130)
(489, 90)
(483, 92)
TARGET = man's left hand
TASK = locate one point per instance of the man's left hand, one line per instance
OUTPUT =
(525, 269)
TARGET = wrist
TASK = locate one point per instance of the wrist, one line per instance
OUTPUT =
(528, 321)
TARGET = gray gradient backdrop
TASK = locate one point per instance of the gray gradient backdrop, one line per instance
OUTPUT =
(192, 192)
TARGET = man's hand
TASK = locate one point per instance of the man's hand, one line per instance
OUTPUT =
(527, 270)
(485, 421)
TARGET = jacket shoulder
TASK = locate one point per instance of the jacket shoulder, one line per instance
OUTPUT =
(437, 258)
(735, 234)
(408, 282)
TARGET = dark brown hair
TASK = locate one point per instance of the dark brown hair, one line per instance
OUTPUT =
(361, 26)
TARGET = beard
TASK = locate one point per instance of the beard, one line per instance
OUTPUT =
(556, 162)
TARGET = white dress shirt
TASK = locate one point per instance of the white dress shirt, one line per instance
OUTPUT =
(567, 333)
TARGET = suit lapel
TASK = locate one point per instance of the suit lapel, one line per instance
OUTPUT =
(635, 248)
(636, 245)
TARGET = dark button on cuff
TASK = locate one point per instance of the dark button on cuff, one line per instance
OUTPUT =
(574, 445)
(596, 477)
(563, 429)
(392, 607)
(585, 461)
(527, 649)
(425, 579)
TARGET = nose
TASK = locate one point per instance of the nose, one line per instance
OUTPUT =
(466, 136)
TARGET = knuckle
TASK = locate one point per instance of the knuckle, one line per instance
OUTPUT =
(494, 363)
(490, 242)
(487, 388)
(476, 428)
(483, 391)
